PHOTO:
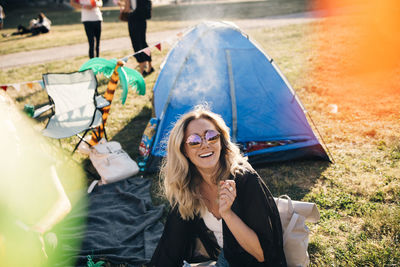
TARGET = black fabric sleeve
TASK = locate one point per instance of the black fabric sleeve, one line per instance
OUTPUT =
(175, 243)
(261, 215)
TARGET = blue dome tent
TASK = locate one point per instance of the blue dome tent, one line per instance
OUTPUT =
(216, 63)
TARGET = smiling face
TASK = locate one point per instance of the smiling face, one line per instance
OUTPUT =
(206, 156)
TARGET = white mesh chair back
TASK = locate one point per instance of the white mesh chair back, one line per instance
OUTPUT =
(73, 95)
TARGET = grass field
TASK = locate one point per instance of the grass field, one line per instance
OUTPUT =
(67, 29)
(358, 116)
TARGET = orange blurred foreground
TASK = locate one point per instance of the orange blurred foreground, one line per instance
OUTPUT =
(358, 45)
(355, 59)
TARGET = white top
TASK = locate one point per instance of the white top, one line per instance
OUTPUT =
(214, 225)
(34, 23)
(1, 13)
(133, 5)
(93, 14)
(46, 23)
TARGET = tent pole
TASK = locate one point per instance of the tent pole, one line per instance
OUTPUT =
(322, 139)
(233, 95)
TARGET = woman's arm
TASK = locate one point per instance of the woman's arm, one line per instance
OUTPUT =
(244, 235)
(75, 4)
(127, 6)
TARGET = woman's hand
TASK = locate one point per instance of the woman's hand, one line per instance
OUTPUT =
(99, 3)
(227, 194)
(245, 236)
(126, 6)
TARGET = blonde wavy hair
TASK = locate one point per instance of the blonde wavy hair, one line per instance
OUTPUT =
(180, 176)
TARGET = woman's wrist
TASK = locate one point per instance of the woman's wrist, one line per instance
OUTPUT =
(227, 215)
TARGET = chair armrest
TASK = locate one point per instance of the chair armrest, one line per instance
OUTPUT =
(41, 110)
(101, 102)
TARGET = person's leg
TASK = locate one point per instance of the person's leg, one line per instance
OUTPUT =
(97, 35)
(43, 29)
(141, 32)
(38, 30)
(147, 58)
(134, 32)
(137, 32)
(90, 36)
(21, 30)
(35, 31)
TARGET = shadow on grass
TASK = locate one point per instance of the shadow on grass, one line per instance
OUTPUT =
(129, 137)
(293, 178)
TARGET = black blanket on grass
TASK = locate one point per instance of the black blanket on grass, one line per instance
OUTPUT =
(122, 226)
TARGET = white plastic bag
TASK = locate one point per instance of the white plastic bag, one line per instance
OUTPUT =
(293, 215)
(112, 162)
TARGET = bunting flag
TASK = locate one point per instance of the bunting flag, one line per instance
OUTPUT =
(147, 51)
(125, 59)
(170, 41)
(17, 86)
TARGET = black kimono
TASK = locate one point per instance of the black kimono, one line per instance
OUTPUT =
(254, 204)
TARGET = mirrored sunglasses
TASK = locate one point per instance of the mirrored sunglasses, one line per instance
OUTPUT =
(195, 140)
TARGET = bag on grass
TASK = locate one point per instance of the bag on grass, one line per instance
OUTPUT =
(112, 162)
(293, 215)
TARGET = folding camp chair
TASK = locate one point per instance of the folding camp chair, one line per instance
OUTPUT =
(76, 104)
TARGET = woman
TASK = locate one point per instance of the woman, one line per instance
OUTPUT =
(217, 198)
(91, 18)
(42, 25)
(39, 25)
(137, 24)
(2, 16)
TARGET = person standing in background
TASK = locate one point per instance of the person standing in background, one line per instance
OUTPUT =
(139, 11)
(91, 18)
(2, 16)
